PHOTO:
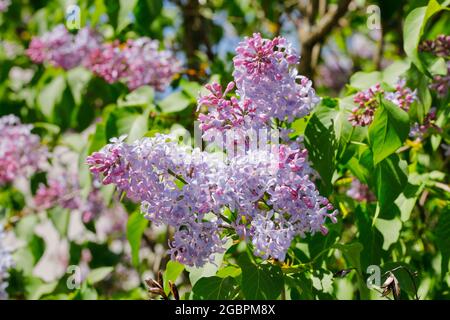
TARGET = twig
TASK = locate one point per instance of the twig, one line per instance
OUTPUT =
(312, 35)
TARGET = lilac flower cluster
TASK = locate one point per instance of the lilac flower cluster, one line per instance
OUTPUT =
(63, 49)
(150, 170)
(441, 84)
(367, 102)
(6, 262)
(360, 192)
(265, 72)
(137, 62)
(403, 96)
(418, 131)
(63, 188)
(439, 47)
(363, 114)
(264, 195)
(21, 152)
(268, 87)
(4, 5)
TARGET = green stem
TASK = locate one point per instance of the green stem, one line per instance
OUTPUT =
(177, 176)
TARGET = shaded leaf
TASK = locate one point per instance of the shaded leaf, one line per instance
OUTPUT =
(136, 226)
(215, 288)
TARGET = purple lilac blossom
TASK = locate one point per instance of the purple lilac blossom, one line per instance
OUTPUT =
(267, 87)
(363, 114)
(21, 152)
(439, 47)
(360, 192)
(108, 62)
(367, 102)
(441, 83)
(4, 5)
(419, 131)
(147, 65)
(138, 62)
(403, 96)
(265, 72)
(63, 49)
(269, 189)
(149, 170)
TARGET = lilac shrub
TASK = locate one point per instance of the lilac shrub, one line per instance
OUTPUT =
(61, 48)
(266, 73)
(21, 152)
(137, 62)
(368, 101)
(265, 196)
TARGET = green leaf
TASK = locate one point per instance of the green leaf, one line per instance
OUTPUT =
(142, 96)
(37, 247)
(60, 218)
(36, 288)
(139, 127)
(191, 88)
(24, 259)
(215, 288)
(390, 229)
(51, 95)
(208, 269)
(394, 71)
(125, 14)
(439, 67)
(391, 179)
(229, 271)
(175, 102)
(388, 130)
(173, 271)
(25, 227)
(98, 274)
(370, 238)
(352, 253)
(442, 233)
(98, 139)
(136, 226)
(78, 79)
(326, 131)
(361, 164)
(363, 80)
(406, 201)
(413, 29)
(260, 282)
(128, 120)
